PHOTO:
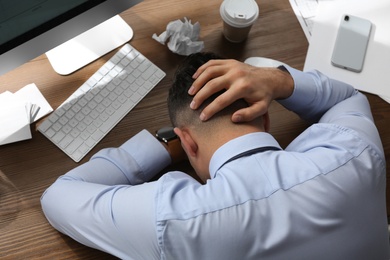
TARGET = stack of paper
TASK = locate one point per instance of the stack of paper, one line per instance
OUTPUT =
(306, 11)
(18, 110)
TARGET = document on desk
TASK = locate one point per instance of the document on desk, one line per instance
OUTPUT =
(18, 110)
(306, 11)
(373, 78)
(14, 118)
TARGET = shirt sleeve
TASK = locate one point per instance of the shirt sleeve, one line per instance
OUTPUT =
(320, 99)
(107, 203)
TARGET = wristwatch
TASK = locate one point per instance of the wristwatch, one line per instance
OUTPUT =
(171, 141)
(166, 134)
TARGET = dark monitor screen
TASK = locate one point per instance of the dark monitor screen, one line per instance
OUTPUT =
(23, 20)
(29, 28)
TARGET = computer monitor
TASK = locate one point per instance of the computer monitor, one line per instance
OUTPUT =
(72, 33)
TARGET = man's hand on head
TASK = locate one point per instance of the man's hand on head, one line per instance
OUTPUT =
(257, 86)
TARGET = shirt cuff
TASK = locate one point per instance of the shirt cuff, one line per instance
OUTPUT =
(303, 92)
(150, 155)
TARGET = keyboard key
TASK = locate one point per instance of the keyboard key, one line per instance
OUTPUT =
(149, 72)
(53, 117)
(76, 143)
(97, 135)
(50, 132)
(57, 127)
(82, 126)
(75, 133)
(67, 129)
(66, 141)
(135, 97)
(58, 137)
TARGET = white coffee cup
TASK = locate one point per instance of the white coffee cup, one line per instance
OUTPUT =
(238, 17)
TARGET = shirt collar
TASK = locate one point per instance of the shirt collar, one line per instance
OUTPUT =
(239, 145)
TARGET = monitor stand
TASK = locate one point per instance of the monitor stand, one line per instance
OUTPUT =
(89, 46)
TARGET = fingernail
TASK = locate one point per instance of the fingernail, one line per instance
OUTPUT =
(237, 118)
(202, 117)
(191, 90)
(192, 105)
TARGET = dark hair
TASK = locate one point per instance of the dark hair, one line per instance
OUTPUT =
(179, 100)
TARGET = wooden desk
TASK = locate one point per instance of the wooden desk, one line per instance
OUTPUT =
(29, 167)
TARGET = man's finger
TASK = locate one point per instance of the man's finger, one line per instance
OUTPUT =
(249, 113)
(217, 105)
(207, 72)
(212, 86)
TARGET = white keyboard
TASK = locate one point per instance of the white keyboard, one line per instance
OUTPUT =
(101, 102)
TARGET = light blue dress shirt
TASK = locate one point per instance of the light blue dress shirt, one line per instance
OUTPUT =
(323, 197)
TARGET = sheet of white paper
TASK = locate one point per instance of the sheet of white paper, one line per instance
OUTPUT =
(373, 78)
(31, 94)
(14, 119)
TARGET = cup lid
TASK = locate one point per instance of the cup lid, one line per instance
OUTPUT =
(239, 13)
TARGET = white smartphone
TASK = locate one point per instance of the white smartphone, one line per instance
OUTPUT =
(351, 43)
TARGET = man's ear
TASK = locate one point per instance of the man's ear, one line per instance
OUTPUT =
(266, 122)
(188, 143)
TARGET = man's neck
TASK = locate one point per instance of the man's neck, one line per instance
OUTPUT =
(223, 134)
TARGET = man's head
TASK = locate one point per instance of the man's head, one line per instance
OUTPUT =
(200, 138)
(178, 101)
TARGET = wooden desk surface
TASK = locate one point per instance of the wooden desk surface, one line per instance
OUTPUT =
(29, 167)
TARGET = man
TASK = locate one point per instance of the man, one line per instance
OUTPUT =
(323, 197)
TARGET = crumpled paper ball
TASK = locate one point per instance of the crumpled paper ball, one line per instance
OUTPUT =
(182, 36)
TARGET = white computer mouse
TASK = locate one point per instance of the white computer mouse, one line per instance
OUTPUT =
(263, 62)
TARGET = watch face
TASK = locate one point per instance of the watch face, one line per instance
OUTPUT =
(166, 134)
